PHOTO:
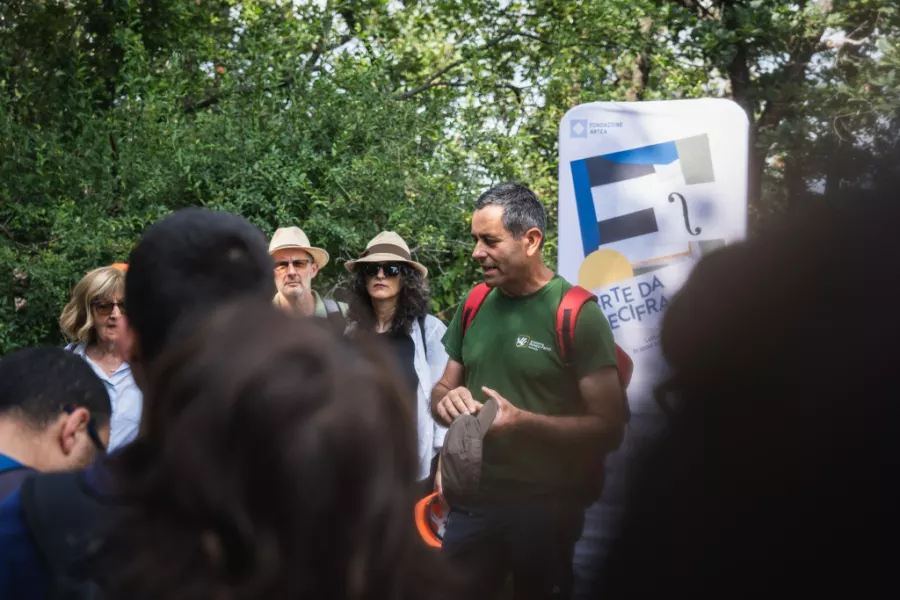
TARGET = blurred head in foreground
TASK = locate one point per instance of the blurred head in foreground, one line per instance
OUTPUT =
(263, 481)
(777, 477)
(184, 265)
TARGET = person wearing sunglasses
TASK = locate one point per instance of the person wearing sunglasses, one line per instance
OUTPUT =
(94, 320)
(389, 296)
(54, 414)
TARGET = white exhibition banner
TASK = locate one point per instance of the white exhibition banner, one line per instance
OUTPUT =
(645, 190)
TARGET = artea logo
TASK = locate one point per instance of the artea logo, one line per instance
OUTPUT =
(578, 128)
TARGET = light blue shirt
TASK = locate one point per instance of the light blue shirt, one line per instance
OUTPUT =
(124, 397)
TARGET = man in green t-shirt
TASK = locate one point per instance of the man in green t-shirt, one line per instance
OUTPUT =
(550, 416)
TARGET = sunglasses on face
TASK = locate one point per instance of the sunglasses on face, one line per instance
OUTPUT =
(92, 430)
(389, 269)
(104, 309)
(299, 265)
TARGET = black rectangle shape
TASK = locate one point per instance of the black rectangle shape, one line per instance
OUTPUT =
(602, 171)
(627, 226)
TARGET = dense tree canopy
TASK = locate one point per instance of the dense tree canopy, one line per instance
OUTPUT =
(352, 116)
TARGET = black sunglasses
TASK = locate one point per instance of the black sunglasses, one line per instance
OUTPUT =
(389, 269)
(91, 428)
(104, 309)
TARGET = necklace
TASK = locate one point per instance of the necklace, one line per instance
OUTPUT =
(109, 366)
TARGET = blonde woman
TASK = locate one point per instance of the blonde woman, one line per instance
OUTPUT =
(94, 320)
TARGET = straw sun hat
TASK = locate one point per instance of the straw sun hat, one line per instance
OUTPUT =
(293, 238)
(386, 247)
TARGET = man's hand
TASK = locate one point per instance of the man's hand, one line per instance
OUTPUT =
(507, 417)
(458, 401)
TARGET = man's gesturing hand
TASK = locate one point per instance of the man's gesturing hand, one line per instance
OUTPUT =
(457, 402)
(507, 415)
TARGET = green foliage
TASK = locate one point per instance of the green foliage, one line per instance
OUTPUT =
(351, 117)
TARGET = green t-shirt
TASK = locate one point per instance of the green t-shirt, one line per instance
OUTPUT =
(511, 347)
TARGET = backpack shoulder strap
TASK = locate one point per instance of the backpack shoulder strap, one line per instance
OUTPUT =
(625, 365)
(66, 520)
(566, 316)
(335, 316)
(421, 321)
(331, 306)
(473, 302)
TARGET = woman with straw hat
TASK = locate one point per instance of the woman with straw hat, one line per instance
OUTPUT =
(389, 296)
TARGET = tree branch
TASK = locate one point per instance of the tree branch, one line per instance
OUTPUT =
(114, 170)
(794, 71)
(543, 40)
(310, 66)
(640, 69)
(430, 82)
(695, 6)
(517, 90)
(32, 247)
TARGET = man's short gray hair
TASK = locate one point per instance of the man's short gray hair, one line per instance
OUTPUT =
(521, 208)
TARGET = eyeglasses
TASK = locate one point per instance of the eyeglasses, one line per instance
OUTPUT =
(91, 428)
(300, 265)
(104, 309)
(389, 269)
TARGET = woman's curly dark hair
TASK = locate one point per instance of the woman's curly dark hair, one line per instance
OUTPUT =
(411, 304)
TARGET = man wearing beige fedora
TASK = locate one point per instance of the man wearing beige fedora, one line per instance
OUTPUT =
(296, 263)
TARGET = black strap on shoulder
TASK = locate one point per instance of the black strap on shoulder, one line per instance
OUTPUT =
(68, 521)
(335, 316)
(421, 320)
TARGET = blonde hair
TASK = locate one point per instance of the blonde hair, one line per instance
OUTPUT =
(77, 320)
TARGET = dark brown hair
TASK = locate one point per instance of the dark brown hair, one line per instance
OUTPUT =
(276, 462)
(777, 475)
(412, 303)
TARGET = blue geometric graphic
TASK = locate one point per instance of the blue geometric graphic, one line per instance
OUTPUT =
(587, 173)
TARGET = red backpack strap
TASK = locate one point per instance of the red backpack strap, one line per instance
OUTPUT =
(473, 302)
(567, 315)
(626, 366)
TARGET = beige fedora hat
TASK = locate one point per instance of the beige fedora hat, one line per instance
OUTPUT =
(293, 238)
(386, 247)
